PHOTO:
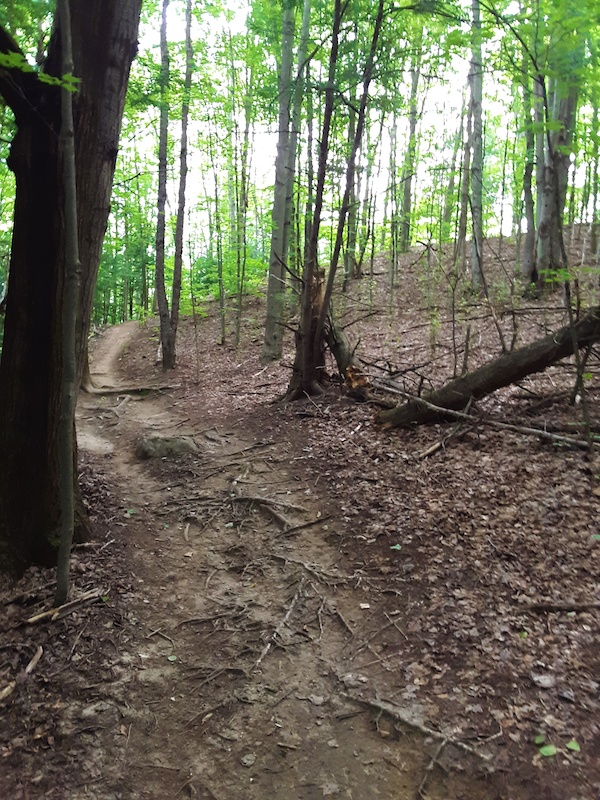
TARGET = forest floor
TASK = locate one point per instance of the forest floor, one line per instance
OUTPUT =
(303, 606)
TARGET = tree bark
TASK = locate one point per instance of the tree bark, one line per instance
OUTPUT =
(476, 81)
(68, 377)
(273, 341)
(168, 353)
(104, 43)
(503, 371)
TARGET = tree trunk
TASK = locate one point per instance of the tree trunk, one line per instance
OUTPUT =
(528, 263)
(168, 352)
(104, 43)
(68, 376)
(273, 341)
(476, 81)
(183, 170)
(409, 167)
(503, 371)
(310, 344)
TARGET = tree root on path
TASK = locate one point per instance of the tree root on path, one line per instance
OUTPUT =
(406, 718)
(279, 628)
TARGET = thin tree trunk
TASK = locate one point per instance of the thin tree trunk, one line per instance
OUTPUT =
(273, 339)
(476, 80)
(66, 433)
(409, 167)
(528, 263)
(183, 171)
(161, 292)
(367, 76)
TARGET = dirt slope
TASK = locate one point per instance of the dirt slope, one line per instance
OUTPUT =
(301, 607)
(243, 679)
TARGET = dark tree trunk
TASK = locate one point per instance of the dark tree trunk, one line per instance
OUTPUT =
(503, 371)
(104, 43)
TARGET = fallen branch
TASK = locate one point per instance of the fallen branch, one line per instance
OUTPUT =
(297, 528)
(8, 690)
(279, 628)
(430, 766)
(440, 411)
(61, 611)
(544, 607)
(509, 368)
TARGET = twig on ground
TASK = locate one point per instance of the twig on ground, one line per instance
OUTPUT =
(162, 636)
(430, 766)
(343, 620)
(279, 628)
(395, 624)
(210, 710)
(8, 690)
(304, 525)
(544, 607)
(61, 611)
(491, 423)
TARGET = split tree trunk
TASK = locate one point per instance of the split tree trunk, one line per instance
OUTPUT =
(503, 371)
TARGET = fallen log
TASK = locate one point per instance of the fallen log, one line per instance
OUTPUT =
(502, 371)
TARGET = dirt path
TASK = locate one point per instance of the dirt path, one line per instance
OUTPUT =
(240, 680)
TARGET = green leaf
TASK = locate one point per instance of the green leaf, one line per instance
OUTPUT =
(172, 658)
(396, 547)
(540, 738)
(574, 746)
(548, 750)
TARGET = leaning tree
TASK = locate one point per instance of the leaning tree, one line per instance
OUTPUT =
(104, 37)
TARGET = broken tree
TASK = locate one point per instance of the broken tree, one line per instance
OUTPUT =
(508, 368)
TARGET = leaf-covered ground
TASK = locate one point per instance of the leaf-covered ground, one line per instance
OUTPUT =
(305, 606)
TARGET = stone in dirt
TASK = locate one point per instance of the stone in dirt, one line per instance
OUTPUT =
(165, 446)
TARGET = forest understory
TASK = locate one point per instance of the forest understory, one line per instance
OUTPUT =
(303, 605)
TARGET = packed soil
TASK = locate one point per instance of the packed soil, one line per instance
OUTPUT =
(284, 601)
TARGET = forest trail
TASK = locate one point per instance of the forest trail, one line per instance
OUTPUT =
(300, 606)
(241, 679)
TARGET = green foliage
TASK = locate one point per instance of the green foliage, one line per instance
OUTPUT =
(19, 62)
(205, 281)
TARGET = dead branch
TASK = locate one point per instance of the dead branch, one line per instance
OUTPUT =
(297, 528)
(61, 611)
(131, 390)
(279, 628)
(432, 409)
(542, 608)
(8, 690)
(509, 368)
(430, 766)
